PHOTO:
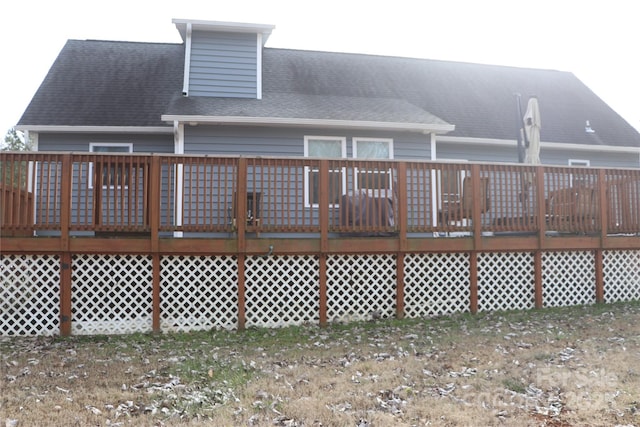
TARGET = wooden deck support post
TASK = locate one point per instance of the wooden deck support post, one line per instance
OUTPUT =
(322, 277)
(241, 293)
(599, 265)
(473, 282)
(537, 279)
(65, 294)
(400, 286)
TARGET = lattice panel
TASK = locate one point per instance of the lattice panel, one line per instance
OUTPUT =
(506, 281)
(281, 290)
(621, 275)
(111, 294)
(360, 286)
(568, 278)
(29, 295)
(436, 284)
(198, 292)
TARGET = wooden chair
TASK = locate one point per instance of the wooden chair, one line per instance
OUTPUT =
(463, 209)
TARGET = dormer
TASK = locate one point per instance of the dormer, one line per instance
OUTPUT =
(222, 59)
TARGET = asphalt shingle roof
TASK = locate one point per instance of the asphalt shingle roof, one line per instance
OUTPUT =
(101, 83)
(105, 83)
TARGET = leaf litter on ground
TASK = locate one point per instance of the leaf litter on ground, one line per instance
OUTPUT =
(552, 367)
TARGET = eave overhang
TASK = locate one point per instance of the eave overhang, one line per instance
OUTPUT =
(317, 123)
(547, 145)
(96, 129)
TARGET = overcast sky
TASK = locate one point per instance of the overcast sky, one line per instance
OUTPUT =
(598, 41)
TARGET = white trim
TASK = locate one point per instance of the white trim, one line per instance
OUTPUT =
(341, 139)
(321, 123)
(307, 169)
(259, 66)
(105, 144)
(545, 145)
(229, 27)
(178, 141)
(356, 139)
(356, 184)
(178, 138)
(96, 129)
(187, 60)
(579, 162)
(434, 146)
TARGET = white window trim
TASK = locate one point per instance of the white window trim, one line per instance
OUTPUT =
(374, 193)
(578, 163)
(92, 145)
(307, 169)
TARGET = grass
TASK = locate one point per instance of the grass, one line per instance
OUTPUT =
(554, 367)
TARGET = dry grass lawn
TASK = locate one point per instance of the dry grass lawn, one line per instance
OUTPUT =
(577, 366)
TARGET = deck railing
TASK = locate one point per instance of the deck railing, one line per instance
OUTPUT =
(140, 193)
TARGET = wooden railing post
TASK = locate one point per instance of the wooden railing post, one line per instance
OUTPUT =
(540, 204)
(476, 213)
(65, 201)
(323, 202)
(604, 207)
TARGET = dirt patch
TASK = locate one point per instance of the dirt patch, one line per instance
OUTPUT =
(554, 367)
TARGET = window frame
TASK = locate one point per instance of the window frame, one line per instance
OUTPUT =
(93, 145)
(308, 199)
(577, 163)
(373, 192)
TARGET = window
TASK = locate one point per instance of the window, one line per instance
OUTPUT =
(577, 179)
(111, 174)
(373, 179)
(323, 147)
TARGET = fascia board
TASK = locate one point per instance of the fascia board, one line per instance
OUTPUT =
(299, 122)
(96, 129)
(545, 145)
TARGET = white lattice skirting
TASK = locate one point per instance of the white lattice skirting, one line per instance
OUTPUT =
(113, 294)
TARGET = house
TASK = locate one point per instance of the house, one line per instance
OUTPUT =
(171, 180)
(223, 92)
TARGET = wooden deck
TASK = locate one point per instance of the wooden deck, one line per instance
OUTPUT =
(76, 204)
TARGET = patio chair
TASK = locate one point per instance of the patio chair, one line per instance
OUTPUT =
(463, 209)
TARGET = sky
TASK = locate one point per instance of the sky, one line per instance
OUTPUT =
(598, 41)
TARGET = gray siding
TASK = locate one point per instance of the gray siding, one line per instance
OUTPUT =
(223, 65)
(84, 191)
(279, 142)
(554, 157)
(142, 143)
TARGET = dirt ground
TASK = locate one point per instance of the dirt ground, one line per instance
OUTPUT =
(577, 366)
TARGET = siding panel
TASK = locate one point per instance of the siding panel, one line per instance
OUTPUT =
(223, 65)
